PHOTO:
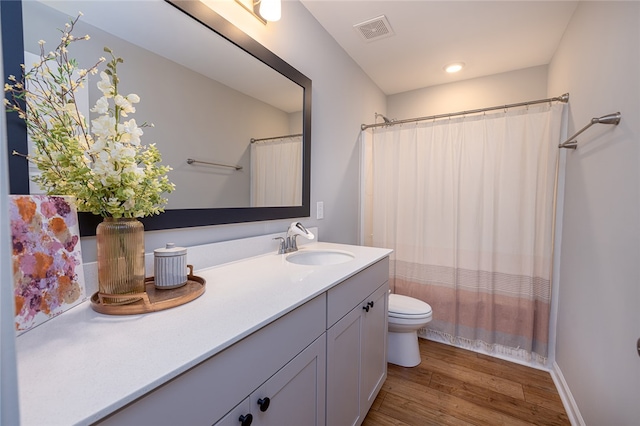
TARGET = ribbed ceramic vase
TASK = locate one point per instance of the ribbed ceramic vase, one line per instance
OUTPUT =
(120, 246)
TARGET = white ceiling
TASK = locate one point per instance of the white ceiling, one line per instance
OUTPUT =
(490, 37)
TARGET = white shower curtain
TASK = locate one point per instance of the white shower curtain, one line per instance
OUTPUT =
(276, 172)
(467, 205)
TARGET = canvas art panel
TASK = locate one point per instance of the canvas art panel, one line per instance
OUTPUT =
(48, 275)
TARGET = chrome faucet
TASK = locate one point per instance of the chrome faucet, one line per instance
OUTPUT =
(289, 244)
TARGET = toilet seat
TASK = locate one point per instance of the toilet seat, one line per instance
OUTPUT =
(404, 307)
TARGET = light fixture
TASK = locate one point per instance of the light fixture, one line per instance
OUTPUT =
(454, 67)
(263, 10)
(269, 9)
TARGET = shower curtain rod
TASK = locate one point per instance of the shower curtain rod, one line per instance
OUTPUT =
(563, 98)
(275, 137)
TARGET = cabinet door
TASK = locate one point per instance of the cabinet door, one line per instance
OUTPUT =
(343, 372)
(374, 347)
(240, 413)
(357, 359)
(296, 393)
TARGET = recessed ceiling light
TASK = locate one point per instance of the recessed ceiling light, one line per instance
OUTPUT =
(455, 67)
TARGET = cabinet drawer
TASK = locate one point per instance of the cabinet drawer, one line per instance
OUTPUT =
(209, 390)
(343, 297)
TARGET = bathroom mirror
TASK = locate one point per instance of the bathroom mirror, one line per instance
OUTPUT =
(239, 90)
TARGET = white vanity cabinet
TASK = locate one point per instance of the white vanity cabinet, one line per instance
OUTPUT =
(281, 361)
(356, 344)
(321, 364)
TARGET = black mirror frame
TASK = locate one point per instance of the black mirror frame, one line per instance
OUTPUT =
(13, 56)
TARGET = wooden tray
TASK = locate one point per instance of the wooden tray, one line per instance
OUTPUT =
(151, 300)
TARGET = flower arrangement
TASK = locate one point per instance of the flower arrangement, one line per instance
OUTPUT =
(107, 169)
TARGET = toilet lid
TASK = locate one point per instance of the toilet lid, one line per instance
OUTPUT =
(405, 306)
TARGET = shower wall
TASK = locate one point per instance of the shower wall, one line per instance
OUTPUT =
(498, 89)
(598, 62)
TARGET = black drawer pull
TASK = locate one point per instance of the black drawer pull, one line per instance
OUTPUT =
(264, 404)
(246, 420)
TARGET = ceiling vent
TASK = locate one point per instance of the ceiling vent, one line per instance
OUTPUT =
(374, 29)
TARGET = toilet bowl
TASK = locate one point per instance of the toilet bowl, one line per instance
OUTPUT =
(406, 316)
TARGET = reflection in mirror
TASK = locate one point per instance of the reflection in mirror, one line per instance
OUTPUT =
(276, 171)
(207, 99)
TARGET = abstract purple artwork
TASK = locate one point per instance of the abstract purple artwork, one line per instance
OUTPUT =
(47, 262)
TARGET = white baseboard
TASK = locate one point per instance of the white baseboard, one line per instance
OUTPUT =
(565, 395)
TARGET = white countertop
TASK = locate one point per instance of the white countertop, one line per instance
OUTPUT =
(82, 365)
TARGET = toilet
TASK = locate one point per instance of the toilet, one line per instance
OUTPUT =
(406, 316)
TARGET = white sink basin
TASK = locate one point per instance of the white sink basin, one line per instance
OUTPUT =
(320, 257)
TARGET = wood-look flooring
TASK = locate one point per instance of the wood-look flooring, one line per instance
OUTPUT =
(454, 386)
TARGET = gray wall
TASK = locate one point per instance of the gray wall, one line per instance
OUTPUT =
(498, 89)
(598, 62)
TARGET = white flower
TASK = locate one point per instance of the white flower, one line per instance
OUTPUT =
(102, 106)
(133, 98)
(129, 204)
(105, 85)
(104, 126)
(122, 153)
(130, 132)
(104, 168)
(98, 145)
(113, 202)
(124, 104)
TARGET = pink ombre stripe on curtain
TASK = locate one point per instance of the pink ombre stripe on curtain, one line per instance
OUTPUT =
(467, 205)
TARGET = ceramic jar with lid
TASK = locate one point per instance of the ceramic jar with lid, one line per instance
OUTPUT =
(170, 267)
